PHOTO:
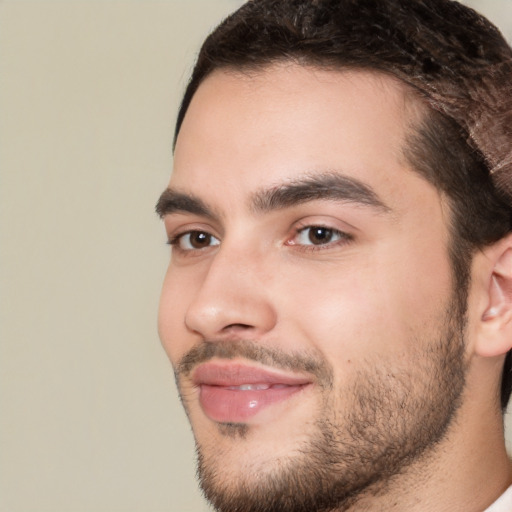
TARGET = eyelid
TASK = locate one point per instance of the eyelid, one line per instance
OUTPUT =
(177, 225)
(176, 239)
(176, 229)
(345, 237)
(343, 233)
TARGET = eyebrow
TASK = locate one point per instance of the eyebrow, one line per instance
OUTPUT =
(326, 186)
(172, 201)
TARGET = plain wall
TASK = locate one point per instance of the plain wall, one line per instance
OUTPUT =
(89, 418)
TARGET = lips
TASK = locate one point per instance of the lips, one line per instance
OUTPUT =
(234, 393)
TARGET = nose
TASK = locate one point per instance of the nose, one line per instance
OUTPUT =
(232, 299)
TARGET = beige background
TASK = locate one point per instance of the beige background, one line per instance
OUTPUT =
(89, 417)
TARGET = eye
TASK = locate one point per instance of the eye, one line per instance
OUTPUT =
(194, 240)
(318, 235)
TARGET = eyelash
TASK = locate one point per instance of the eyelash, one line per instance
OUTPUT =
(343, 238)
(174, 241)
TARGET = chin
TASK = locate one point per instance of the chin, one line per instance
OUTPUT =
(257, 446)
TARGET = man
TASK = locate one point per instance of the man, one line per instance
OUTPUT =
(338, 304)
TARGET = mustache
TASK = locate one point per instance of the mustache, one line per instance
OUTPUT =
(253, 351)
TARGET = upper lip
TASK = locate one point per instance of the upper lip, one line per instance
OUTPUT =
(238, 374)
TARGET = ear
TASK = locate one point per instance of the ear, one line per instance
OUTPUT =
(495, 332)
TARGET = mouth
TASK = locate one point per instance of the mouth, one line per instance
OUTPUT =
(234, 393)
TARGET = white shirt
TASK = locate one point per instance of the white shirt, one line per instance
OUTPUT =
(503, 503)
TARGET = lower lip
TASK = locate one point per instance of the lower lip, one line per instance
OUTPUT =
(226, 405)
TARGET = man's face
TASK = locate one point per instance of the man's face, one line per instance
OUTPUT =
(308, 307)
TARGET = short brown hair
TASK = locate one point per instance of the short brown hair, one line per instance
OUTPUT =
(452, 58)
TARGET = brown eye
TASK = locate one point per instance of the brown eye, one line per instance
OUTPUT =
(195, 240)
(319, 235)
(198, 239)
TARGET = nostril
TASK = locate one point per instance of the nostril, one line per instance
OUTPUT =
(235, 327)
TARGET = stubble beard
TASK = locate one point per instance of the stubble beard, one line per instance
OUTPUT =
(395, 417)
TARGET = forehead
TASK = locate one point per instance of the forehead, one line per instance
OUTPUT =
(260, 129)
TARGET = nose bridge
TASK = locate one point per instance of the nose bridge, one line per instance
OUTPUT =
(232, 295)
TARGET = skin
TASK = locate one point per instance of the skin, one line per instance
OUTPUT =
(373, 301)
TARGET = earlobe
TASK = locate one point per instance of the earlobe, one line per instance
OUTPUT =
(496, 320)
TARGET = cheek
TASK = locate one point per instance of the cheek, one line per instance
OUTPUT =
(378, 306)
(171, 314)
